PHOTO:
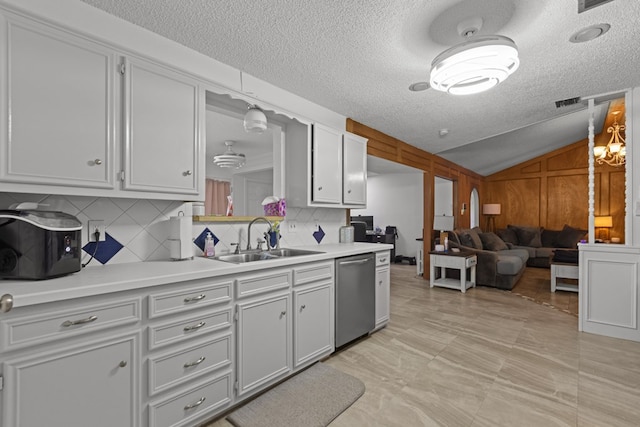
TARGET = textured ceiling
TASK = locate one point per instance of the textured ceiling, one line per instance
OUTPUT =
(359, 57)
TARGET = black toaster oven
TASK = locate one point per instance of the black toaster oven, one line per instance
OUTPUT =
(38, 245)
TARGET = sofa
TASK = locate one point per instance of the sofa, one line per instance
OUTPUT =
(499, 265)
(542, 244)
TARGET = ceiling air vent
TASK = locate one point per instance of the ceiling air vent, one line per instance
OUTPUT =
(584, 5)
(567, 102)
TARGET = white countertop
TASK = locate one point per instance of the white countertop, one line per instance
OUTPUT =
(97, 280)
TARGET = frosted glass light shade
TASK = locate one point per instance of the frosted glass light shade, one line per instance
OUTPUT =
(475, 65)
(254, 120)
(443, 223)
(603, 221)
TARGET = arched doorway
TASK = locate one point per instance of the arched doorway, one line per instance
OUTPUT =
(474, 209)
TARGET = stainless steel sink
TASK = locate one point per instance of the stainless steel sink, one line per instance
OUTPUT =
(287, 252)
(263, 256)
(246, 257)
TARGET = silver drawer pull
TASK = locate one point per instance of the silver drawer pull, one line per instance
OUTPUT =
(187, 173)
(195, 404)
(196, 363)
(90, 319)
(6, 303)
(383, 260)
(194, 327)
(122, 363)
(282, 314)
(196, 298)
(97, 162)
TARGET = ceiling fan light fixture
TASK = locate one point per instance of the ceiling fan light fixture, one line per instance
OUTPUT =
(475, 65)
(229, 159)
(255, 120)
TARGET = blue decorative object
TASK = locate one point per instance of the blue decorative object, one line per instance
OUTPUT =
(318, 235)
(105, 250)
(272, 239)
(199, 241)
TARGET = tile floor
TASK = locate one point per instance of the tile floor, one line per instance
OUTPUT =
(486, 358)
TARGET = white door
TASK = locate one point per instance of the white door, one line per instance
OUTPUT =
(60, 103)
(89, 386)
(354, 174)
(161, 130)
(326, 165)
(264, 350)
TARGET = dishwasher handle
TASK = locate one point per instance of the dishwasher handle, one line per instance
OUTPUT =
(359, 261)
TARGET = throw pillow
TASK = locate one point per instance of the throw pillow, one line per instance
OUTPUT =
(470, 238)
(569, 237)
(528, 236)
(508, 235)
(550, 238)
(491, 242)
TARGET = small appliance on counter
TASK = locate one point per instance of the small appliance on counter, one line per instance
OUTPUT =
(37, 245)
(180, 242)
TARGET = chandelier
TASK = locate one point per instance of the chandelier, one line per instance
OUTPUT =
(229, 159)
(615, 152)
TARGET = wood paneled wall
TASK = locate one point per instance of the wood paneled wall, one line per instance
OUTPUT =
(552, 190)
(389, 148)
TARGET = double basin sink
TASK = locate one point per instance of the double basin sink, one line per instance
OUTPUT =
(263, 255)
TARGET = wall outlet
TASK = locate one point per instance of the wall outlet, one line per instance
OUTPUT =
(94, 225)
(292, 226)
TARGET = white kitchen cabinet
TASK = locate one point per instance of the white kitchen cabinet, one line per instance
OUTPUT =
(383, 288)
(80, 116)
(93, 384)
(161, 129)
(58, 107)
(325, 167)
(355, 170)
(313, 325)
(264, 341)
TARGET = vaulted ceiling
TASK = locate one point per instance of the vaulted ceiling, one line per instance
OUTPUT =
(359, 57)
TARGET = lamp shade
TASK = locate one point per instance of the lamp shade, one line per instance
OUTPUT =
(443, 223)
(603, 221)
(254, 120)
(491, 209)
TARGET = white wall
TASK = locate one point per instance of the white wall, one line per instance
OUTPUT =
(396, 199)
(443, 197)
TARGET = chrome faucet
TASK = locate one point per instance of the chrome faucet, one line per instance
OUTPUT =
(260, 218)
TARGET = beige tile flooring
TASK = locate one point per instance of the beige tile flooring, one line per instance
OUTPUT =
(486, 358)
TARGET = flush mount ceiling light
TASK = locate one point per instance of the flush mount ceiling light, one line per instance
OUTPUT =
(476, 65)
(254, 120)
(229, 159)
(589, 33)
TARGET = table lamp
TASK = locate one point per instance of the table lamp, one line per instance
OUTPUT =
(604, 223)
(443, 223)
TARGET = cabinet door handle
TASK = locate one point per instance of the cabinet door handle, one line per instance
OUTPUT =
(349, 191)
(383, 260)
(380, 283)
(196, 363)
(195, 404)
(194, 327)
(282, 314)
(196, 298)
(303, 306)
(97, 162)
(6, 303)
(319, 188)
(90, 319)
(187, 173)
(122, 363)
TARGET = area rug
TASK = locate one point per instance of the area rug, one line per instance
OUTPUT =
(315, 397)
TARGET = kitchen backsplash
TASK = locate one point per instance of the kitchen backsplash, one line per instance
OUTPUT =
(137, 230)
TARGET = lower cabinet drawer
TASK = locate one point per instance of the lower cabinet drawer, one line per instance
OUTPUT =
(182, 408)
(187, 328)
(171, 369)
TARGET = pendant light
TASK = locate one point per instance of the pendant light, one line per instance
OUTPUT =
(254, 120)
(229, 159)
(476, 65)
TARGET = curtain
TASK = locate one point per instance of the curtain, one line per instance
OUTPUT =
(215, 201)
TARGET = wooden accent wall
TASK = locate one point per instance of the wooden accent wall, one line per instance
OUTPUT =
(552, 190)
(389, 148)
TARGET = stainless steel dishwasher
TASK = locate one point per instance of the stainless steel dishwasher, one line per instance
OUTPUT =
(355, 297)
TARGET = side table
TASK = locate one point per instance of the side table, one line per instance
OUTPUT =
(561, 270)
(456, 260)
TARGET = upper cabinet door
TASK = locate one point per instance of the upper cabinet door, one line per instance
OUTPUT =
(326, 168)
(58, 107)
(355, 170)
(161, 114)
